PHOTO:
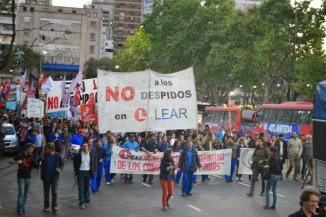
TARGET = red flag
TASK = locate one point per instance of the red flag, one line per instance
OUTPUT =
(42, 78)
(77, 97)
(87, 111)
(8, 90)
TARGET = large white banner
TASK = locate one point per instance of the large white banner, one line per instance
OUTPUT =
(246, 161)
(54, 99)
(35, 108)
(146, 101)
(131, 162)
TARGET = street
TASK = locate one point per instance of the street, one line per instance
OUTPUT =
(213, 198)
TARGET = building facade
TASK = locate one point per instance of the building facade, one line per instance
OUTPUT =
(66, 37)
(245, 5)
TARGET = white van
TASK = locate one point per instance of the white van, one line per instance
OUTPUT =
(10, 140)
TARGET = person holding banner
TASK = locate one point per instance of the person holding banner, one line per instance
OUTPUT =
(210, 143)
(231, 145)
(149, 147)
(131, 145)
(167, 168)
(188, 165)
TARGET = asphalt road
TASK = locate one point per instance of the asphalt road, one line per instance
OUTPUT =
(213, 198)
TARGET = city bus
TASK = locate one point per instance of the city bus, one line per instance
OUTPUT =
(284, 118)
(217, 117)
(319, 138)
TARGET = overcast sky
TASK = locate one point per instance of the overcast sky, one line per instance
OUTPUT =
(80, 3)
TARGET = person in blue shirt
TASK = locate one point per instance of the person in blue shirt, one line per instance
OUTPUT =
(31, 136)
(164, 145)
(78, 138)
(220, 134)
(188, 164)
(91, 135)
(149, 146)
(56, 135)
(131, 145)
(52, 165)
(107, 163)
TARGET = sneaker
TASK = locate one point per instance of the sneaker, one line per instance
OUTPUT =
(183, 194)
(249, 194)
(189, 194)
(81, 206)
(262, 194)
(240, 179)
(266, 207)
(108, 183)
(273, 207)
(46, 209)
(165, 209)
(55, 208)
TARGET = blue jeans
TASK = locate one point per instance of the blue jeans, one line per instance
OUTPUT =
(83, 179)
(187, 180)
(178, 177)
(233, 164)
(272, 182)
(23, 187)
(93, 182)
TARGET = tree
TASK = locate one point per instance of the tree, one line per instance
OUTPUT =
(91, 66)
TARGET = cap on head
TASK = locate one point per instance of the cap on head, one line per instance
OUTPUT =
(80, 131)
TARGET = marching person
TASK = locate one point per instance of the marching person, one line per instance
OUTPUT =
(230, 144)
(210, 143)
(294, 154)
(241, 144)
(107, 163)
(306, 154)
(322, 206)
(188, 165)
(25, 164)
(100, 155)
(274, 179)
(131, 145)
(309, 199)
(167, 168)
(76, 140)
(282, 148)
(148, 147)
(260, 159)
(84, 168)
(52, 165)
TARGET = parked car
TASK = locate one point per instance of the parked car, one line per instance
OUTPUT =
(10, 138)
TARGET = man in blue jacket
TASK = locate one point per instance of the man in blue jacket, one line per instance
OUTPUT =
(131, 145)
(52, 165)
(188, 165)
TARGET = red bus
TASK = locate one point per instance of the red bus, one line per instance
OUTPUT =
(284, 118)
(217, 117)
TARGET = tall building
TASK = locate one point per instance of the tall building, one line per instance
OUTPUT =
(127, 18)
(245, 5)
(39, 2)
(107, 7)
(66, 37)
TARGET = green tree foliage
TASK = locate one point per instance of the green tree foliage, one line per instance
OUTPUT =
(92, 65)
(270, 50)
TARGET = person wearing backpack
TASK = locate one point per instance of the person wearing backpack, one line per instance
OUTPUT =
(275, 170)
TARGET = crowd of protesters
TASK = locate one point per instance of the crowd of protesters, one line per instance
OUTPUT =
(48, 142)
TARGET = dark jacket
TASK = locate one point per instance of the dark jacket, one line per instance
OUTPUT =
(78, 161)
(58, 162)
(300, 213)
(275, 165)
(164, 173)
(285, 149)
(183, 161)
(260, 157)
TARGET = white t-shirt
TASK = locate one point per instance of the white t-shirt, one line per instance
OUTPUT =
(85, 162)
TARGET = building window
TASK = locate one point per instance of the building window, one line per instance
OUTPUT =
(67, 60)
(26, 32)
(93, 23)
(27, 19)
(74, 11)
(60, 10)
(92, 49)
(24, 9)
(92, 37)
(32, 9)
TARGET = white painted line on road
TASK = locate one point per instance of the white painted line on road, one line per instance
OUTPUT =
(280, 195)
(195, 208)
(243, 184)
(148, 186)
(218, 176)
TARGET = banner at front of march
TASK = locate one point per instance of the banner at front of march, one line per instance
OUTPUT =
(146, 101)
(131, 162)
(245, 162)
